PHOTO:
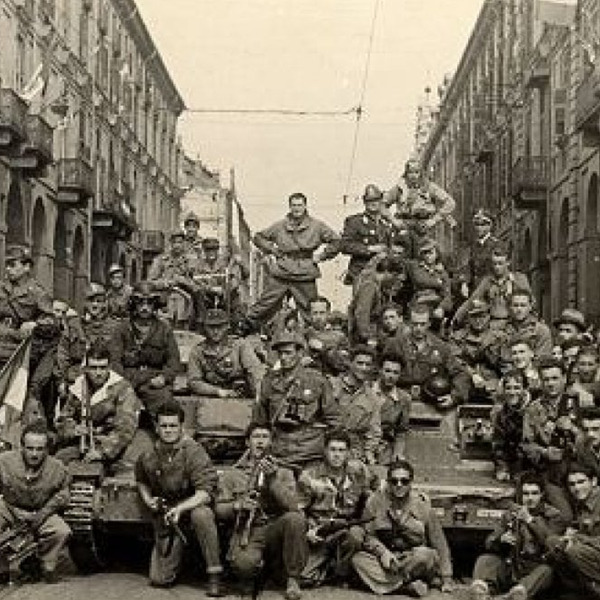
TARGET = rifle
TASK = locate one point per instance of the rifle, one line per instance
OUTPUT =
(332, 528)
(17, 544)
(250, 516)
(168, 527)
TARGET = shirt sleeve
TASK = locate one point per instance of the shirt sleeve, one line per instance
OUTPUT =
(203, 475)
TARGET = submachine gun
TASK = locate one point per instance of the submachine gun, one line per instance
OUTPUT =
(167, 528)
(17, 544)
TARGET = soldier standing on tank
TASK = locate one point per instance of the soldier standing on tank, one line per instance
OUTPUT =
(35, 490)
(480, 250)
(118, 293)
(177, 481)
(192, 241)
(223, 365)
(298, 402)
(296, 245)
(259, 495)
(144, 351)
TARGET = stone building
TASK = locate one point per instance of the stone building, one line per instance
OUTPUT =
(89, 154)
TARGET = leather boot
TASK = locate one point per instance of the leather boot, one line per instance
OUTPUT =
(215, 587)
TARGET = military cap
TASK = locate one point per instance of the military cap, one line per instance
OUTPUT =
(210, 244)
(176, 234)
(94, 290)
(115, 269)
(215, 316)
(427, 244)
(286, 337)
(371, 193)
(572, 316)
(144, 290)
(191, 217)
(478, 307)
(482, 217)
(16, 252)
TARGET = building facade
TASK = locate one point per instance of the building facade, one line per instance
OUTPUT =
(89, 153)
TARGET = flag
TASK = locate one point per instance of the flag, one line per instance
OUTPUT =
(38, 83)
(13, 392)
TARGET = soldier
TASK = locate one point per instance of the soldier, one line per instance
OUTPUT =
(222, 365)
(144, 351)
(176, 481)
(516, 550)
(333, 491)
(404, 546)
(569, 325)
(478, 350)
(298, 403)
(522, 359)
(259, 495)
(95, 327)
(192, 241)
(23, 301)
(480, 251)
(35, 489)
(118, 293)
(99, 419)
(496, 288)
(424, 355)
(367, 234)
(294, 247)
(584, 377)
(587, 446)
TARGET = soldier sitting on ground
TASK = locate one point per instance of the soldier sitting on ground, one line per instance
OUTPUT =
(404, 547)
(515, 561)
(258, 497)
(35, 490)
(333, 494)
(100, 417)
(118, 292)
(223, 365)
(177, 482)
(144, 351)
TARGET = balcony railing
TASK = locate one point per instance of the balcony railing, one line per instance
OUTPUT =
(152, 242)
(13, 118)
(75, 181)
(530, 182)
(588, 108)
(37, 152)
(116, 216)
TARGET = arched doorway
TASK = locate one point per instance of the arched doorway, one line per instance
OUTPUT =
(79, 269)
(62, 270)
(591, 263)
(562, 242)
(38, 241)
(15, 216)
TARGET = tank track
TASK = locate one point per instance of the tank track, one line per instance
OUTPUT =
(80, 516)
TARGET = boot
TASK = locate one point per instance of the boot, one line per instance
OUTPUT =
(215, 586)
(292, 590)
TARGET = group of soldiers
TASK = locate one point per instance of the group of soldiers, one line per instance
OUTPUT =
(324, 492)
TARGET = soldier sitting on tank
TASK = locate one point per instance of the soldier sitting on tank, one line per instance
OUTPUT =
(426, 358)
(515, 561)
(94, 327)
(100, 417)
(192, 240)
(477, 347)
(222, 365)
(144, 351)
(570, 325)
(358, 406)
(496, 289)
(333, 494)
(584, 376)
(298, 402)
(507, 425)
(259, 499)
(404, 548)
(35, 490)
(118, 292)
(587, 446)
(177, 481)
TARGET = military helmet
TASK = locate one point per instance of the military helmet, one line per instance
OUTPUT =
(372, 193)
(94, 290)
(285, 338)
(17, 252)
(176, 233)
(437, 386)
(478, 307)
(482, 217)
(115, 269)
(210, 244)
(191, 217)
(143, 291)
(215, 316)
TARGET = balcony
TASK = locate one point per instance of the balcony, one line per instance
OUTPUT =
(587, 110)
(152, 242)
(537, 75)
(13, 121)
(116, 216)
(36, 152)
(75, 182)
(530, 182)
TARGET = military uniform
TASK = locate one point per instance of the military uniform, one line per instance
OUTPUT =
(412, 533)
(118, 301)
(114, 412)
(524, 563)
(140, 358)
(327, 495)
(507, 437)
(45, 493)
(175, 474)
(536, 332)
(430, 284)
(300, 407)
(277, 535)
(167, 270)
(480, 259)
(294, 271)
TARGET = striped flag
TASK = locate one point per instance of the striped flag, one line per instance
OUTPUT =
(13, 392)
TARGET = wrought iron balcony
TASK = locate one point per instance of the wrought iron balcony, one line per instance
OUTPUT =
(530, 182)
(75, 182)
(588, 108)
(152, 242)
(13, 120)
(116, 216)
(37, 151)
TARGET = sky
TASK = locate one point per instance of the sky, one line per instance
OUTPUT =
(306, 55)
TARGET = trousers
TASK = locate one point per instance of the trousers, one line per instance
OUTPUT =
(276, 291)
(167, 554)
